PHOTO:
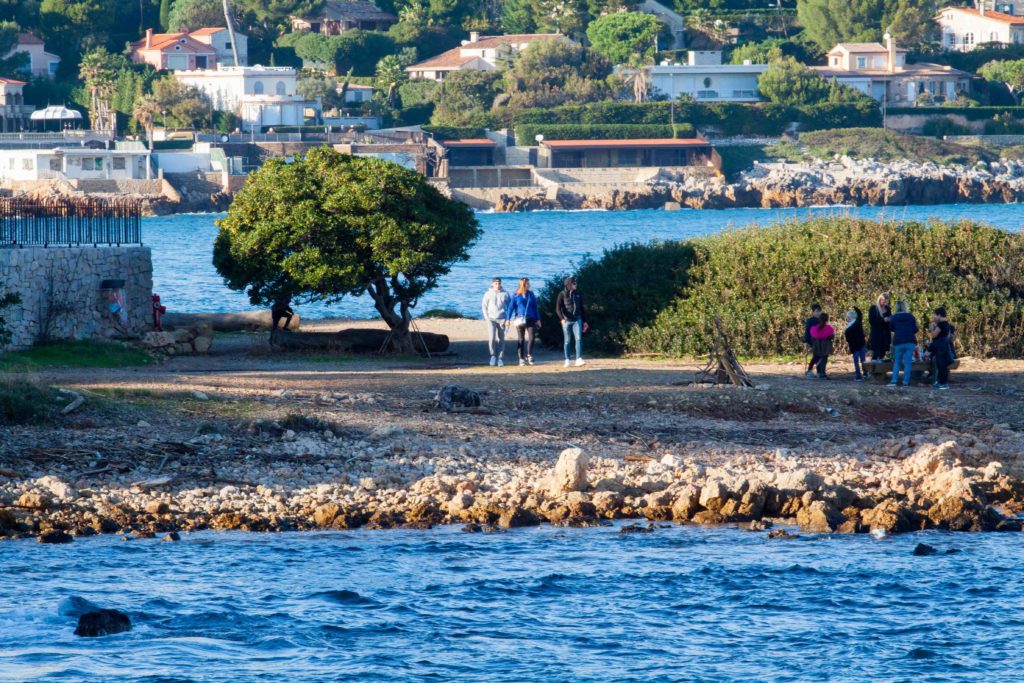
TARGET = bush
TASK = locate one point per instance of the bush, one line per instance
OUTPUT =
(760, 281)
(942, 126)
(527, 134)
(1004, 124)
(417, 92)
(970, 113)
(625, 288)
(23, 402)
(454, 132)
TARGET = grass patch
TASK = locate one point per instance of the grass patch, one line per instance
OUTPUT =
(74, 354)
(23, 402)
(881, 145)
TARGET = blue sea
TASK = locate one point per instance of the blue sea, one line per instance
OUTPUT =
(536, 605)
(538, 245)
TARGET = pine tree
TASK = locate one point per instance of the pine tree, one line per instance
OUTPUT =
(165, 14)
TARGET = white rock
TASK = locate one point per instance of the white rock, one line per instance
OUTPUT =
(200, 396)
(672, 460)
(570, 471)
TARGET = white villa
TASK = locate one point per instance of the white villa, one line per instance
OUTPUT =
(479, 53)
(881, 72)
(706, 79)
(74, 163)
(965, 28)
(260, 95)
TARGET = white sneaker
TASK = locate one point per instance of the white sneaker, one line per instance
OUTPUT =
(501, 363)
(566, 362)
(522, 362)
(494, 361)
(529, 360)
(579, 362)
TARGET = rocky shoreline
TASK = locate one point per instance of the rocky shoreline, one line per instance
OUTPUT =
(843, 181)
(316, 478)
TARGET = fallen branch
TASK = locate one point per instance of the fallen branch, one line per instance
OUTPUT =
(76, 401)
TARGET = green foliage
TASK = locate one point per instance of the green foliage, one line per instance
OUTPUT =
(555, 72)
(911, 24)
(625, 289)
(527, 134)
(883, 145)
(970, 113)
(626, 37)
(189, 15)
(972, 60)
(82, 353)
(186, 106)
(443, 314)
(464, 98)
(1004, 124)
(940, 126)
(23, 402)
(72, 27)
(764, 52)
(413, 93)
(827, 22)
(1009, 72)
(11, 65)
(7, 300)
(165, 15)
(787, 81)
(454, 132)
(358, 51)
(739, 158)
(330, 224)
(761, 280)
(323, 88)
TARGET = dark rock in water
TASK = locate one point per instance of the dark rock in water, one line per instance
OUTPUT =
(172, 536)
(55, 536)
(636, 529)
(75, 606)
(923, 549)
(759, 525)
(102, 622)
(953, 551)
(781, 533)
(517, 517)
(472, 528)
(452, 396)
(1010, 525)
(581, 522)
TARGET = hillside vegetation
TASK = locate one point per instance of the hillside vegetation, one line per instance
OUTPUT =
(881, 145)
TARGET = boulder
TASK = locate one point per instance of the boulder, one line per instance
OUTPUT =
(570, 473)
(923, 549)
(517, 517)
(819, 517)
(102, 622)
(713, 495)
(890, 516)
(55, 536)
(963, 514)
(453, 397)
(799, 480)
(686, 504)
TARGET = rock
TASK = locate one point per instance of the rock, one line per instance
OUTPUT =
(459, 503)
(963, 514)
(202, 344)
(325, 515)
(451, 397)
(157, 507)
(636, 529)
(570, 471)
(472, 529)
(8, 522)
(55, 536)
(781, 533)
(672, 461)
(61, 490)
(34, 500)
(922, 549)
(517, 517)
(102, 622)
(889, 516)
(686, 504)
(799, 480)
(171, 536)
(759, 525)
(385, 432)
(819, 517)
(200, 396)
(713, 495)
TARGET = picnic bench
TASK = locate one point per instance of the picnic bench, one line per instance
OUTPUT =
(919, 370)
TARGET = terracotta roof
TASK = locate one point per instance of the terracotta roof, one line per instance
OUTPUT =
(468, 142)
(207, 31)
(863, 47)
(163, 41)
(29, 39)
(11, 81)
(452, 59)
(356, 86)
(486, 42)
(918, 69)
(995, 16)
(357, 10)
(661, 143)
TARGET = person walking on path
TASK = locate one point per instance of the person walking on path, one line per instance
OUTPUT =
(822, 336)
(942, 348)
(808, 324)
(904, 340)
(524, 315)
(856, 341)
(569, 308)
(494, 307)
(878, 320)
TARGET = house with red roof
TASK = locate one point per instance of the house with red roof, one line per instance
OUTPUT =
(967, 28)
(41, 64)
(479, 53)
(203, 48)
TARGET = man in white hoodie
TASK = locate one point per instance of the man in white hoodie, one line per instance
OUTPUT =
(495, 305)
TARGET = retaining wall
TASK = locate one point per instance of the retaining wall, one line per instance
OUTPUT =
(61, 296)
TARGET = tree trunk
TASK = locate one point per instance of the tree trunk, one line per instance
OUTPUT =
(231, 30)
(399, 323)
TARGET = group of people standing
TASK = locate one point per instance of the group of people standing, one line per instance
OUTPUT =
(520, 310)
(894, 330)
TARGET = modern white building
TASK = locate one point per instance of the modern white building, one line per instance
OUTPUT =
(74, 163)
(966, 28)
(706, 79)
(479, 53)
(881, 72)
(260, 95)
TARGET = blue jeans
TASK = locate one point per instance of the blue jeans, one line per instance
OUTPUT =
(902, 357)
(575, 329)
(858, 360)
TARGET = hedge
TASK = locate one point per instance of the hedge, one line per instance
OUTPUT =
(970, 113)
(760, 281)
(453, 132)
(527, 134)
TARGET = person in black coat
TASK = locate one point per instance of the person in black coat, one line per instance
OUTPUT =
(881, 335)
(856, 340)
(808, 324)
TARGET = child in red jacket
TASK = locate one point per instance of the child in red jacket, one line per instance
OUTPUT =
(822, 335)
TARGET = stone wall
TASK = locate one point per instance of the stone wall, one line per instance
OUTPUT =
(61, 296)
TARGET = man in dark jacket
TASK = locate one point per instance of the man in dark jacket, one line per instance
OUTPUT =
(904, 341)
(856, 340)
(808, 324)
(569, 308)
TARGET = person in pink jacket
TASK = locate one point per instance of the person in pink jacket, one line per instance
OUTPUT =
(822, 335)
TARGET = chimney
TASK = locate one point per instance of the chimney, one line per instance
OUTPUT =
(149, 38)
(890, 46)
(474, 36)
(981, 7)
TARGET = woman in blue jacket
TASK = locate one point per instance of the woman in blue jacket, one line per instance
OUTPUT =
(525, 316)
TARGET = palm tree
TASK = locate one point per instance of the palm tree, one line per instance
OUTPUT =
(99, 77)
(145, 111)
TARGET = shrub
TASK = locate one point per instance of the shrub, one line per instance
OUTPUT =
(1004, 124)
(6, 300)
(761, 280)
(970, 113)
(23, 402)
(454, 132)
(417, 92)
(527, 134)
(942, 126)
(625, 288)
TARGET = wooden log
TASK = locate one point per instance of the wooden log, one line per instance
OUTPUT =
(357, 340)
(226, 322)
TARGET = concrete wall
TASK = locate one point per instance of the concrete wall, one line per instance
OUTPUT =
(61, 296)
(182, 162)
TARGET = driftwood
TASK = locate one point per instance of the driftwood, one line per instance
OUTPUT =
(226, 322)
(354, 341)
(76, 401)
(722, 367)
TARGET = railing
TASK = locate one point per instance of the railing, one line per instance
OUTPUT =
(69, 222)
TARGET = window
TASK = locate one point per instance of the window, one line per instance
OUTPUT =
(92, 163)
(968, 39)
(862, 62)
(993, 37)
(707, 82)
(227, 44)
(53, 68)
(201, 61)
(118, 163)
(28, 164)
(279, 88)
(257, 88)
(55, 164)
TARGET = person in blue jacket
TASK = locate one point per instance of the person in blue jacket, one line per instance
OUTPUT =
(524, 315)
(904, 340)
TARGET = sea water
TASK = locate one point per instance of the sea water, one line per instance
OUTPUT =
(535, 605)
(538, 245)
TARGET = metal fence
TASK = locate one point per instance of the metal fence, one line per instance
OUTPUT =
(57, 222)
